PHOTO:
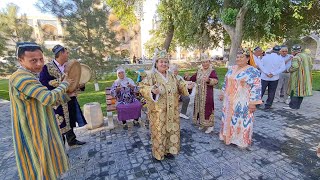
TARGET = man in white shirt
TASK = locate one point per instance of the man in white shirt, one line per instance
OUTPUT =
(284, 77)
(257, 55)
(271, 66)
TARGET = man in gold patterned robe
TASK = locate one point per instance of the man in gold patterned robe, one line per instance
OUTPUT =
(161, 89)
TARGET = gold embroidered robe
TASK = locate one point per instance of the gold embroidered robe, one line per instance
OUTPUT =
(203, 114)
(163, 112)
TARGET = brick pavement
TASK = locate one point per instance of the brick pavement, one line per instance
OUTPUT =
(283, 148)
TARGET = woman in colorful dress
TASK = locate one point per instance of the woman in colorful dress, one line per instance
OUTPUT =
(241, 92)
(161, 89)
(124, 89)
(206, 78)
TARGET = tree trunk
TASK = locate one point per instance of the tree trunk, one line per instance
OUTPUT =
(236, 33)
(169, 36)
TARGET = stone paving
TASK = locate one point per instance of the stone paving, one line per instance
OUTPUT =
(284, 145)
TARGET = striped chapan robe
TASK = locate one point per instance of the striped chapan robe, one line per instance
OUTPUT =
(300, 83)
(39, 150)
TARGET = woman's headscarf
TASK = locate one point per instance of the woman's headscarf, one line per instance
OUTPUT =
(125, 81)
(141, 73)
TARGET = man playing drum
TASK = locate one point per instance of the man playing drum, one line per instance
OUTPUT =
(69, 113)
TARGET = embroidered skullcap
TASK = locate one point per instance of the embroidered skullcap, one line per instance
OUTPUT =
(296, 47)
(257, 48)
(24, 46)
(57, 48)
(276, 48)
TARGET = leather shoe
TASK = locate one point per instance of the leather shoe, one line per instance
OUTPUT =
(76, 142)
(169, 156)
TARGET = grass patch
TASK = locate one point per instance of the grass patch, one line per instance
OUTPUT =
(316, 80)
(4, 89)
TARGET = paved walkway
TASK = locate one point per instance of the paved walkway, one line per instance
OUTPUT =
(284, 144)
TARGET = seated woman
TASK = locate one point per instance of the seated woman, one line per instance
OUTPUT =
(127, 105)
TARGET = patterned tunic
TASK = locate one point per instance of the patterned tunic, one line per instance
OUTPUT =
(241, 88)
(203, 114)
(37, 140)
(300, 83)
(128, 106)
(164, 113)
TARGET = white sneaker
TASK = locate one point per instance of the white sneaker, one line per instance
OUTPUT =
(200, 127)
(209, 130)
(287, 108)
(183, 116)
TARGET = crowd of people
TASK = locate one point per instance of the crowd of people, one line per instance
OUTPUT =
(44, 114)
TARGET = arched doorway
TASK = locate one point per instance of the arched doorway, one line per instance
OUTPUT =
(50, 32)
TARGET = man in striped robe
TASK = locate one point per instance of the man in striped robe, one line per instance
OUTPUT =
(39, 150)
(300, 82)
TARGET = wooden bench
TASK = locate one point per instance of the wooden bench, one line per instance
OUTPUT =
(111, 106)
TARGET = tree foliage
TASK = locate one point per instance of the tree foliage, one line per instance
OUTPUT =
(273, 20)
(125, 10)
(12, 30)
(87, 32)
(192, 23)
(198, 24)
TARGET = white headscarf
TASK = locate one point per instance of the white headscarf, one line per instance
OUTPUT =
(125, 81)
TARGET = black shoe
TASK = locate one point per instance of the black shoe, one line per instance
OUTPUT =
(267, 107)
(76, 142)
(125, 127)
(169, 156)
(136, 122)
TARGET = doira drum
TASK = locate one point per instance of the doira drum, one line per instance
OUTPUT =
(85, 74)
(73, 71)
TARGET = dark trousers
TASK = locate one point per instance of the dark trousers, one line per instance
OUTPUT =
(185, 102)
(295, 102)
(272, 87)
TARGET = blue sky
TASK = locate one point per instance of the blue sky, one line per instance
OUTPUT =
(27, 7)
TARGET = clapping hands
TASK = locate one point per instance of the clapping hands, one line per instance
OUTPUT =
(155, 89)
(270, 75)
(190, 85)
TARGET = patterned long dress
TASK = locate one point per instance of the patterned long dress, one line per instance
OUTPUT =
(39, 150)
(163, 112)
(241, 88)
(203, 114)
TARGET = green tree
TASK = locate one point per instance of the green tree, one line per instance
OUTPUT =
(191, 24)
(126, 10)
(87, 30)
(199, 24)
(12, 30)
(267, 21)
